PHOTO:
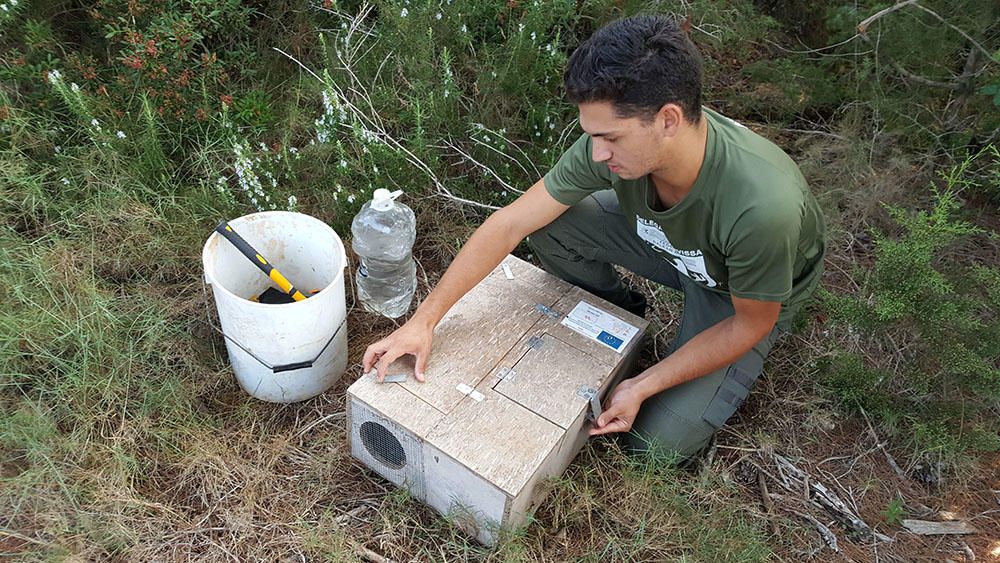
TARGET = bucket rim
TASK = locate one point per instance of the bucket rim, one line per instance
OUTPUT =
(209, 277)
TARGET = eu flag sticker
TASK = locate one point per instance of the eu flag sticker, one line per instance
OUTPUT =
(611, 340)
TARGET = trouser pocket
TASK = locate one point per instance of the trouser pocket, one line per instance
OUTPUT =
(732, 392)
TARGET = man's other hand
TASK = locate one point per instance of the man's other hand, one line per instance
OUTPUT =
(621, 409)
(414, 337)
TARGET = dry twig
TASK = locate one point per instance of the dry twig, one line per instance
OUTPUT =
(824, 497)
(824, 531)
(768, 503)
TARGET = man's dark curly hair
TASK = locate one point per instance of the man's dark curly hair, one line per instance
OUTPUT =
(638, 64)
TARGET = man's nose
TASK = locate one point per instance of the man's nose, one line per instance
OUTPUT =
(601, 153)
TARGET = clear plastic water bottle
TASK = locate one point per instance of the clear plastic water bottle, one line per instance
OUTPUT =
(383, 233)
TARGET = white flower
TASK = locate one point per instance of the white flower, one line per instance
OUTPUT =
(13, 3)
(404, 13)
(532, 35)
(120, 134)
(375, 168)
(293, 150)
(350, 198)
(464, 28)
(74, 87)
(292, 200)
(64, 181)
(58, 149)
(54, 76)
(220, 180)
(4, 7)
(343, 163)
(437, 16)
(95, 123)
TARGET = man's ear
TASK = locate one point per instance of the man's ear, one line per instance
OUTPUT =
(670, 118)
(686, 25)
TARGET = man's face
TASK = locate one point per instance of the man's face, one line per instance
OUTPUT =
(631, 147)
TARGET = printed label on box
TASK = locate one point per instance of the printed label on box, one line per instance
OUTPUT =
(600, 325)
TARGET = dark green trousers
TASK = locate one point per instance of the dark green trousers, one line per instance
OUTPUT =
(580, 247)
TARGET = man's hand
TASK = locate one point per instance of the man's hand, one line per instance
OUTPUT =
(414, 337)
(622, 408)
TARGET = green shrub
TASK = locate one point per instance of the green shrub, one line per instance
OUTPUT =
(937, 319)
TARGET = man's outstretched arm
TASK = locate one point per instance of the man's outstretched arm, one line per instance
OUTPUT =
(484, 250)
(714, 348)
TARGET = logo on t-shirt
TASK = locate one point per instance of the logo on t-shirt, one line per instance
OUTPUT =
(691, 263)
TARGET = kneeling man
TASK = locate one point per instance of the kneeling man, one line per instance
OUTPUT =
(676, 193)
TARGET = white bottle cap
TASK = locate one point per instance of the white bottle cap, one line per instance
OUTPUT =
(382, 199)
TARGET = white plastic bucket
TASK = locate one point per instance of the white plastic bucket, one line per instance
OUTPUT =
(281, 353)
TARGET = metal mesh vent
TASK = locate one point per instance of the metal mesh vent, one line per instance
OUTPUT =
(382, 445)
(387, 448)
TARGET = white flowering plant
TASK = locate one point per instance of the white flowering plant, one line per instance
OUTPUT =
(406, 118)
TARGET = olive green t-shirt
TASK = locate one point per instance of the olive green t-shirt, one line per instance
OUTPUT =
(749, 227)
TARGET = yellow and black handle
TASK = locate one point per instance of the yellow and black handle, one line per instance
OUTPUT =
(270, 271)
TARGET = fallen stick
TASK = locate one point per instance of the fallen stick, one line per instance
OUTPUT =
(824, 532)
(828, 500)
(928, 528)
(367, 554)
(768, 503)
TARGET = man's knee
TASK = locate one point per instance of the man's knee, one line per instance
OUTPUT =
(568, 236)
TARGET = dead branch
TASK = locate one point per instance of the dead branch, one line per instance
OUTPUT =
(824, 532)
(989, 56)
(367, 554)
(907, 75)
(888, 457)
(863, 26)
(768, 503)
(825, 498)
(928, 528)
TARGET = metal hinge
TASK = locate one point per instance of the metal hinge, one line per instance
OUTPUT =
(547, 311)
(591, 394)
(506, 374)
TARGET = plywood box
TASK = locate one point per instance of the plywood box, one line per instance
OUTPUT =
(509, 388)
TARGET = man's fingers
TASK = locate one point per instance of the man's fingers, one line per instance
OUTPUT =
(611, 420)
(615, 425)
(421, 366)
(371, 355)
(385, 361)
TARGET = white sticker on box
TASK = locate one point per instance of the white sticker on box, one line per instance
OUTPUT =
(470, 392)
(507, 272)
(600, 325)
